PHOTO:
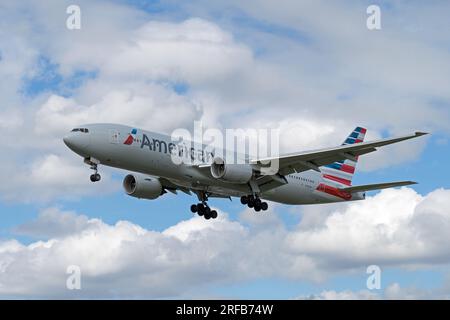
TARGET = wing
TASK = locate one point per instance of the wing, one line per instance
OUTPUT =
(312, 160)
(173, 187)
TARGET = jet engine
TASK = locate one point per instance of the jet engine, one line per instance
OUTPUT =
(142, 187)
(233, 173)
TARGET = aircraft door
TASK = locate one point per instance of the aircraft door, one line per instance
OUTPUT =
(114, 136)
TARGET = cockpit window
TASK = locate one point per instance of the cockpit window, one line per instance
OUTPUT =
(84, 130)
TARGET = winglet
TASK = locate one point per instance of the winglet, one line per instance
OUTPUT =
(419, 133)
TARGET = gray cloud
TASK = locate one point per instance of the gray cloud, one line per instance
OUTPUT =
(53, 223)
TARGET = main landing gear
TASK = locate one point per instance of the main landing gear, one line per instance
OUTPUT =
(94, 166)
(202, 209)
(254, 202)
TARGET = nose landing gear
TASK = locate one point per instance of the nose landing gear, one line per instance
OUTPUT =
(95, 177)
(93, 163)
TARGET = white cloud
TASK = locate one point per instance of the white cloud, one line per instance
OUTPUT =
(314, 90)
(190, 256)
(45, 178)
(151, 107)
(342, 295)
(342, 71)
(395, 226)
(10, 120)
(395, 292)
(194, 50)
(302, 133)
(149, 262)
(54, 223)
(196, 254)
(392, 292)
(236, 75)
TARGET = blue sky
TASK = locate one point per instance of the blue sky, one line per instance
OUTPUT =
(311, 69)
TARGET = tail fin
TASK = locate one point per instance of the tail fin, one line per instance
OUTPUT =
(342, 171)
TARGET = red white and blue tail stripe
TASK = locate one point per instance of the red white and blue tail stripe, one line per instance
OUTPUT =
(341, 172)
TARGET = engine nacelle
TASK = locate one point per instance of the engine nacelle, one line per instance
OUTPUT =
(142, 187)
(233, 173)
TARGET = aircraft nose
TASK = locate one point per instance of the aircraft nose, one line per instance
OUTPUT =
(67, 140)
(76, 141)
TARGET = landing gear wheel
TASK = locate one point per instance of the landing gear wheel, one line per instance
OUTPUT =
(257, 204)
(244, 200)
(95, 177)
(264, 206)
(251, 203)
(194, 208)
(206, 211)
(200, 209)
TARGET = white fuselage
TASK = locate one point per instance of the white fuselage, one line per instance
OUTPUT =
(105, 142)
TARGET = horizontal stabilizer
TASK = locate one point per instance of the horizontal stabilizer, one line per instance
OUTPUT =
(377, 186)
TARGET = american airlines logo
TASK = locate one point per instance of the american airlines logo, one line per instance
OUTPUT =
(131, 137)
(169, 147)
(205, 145)
(181, 150)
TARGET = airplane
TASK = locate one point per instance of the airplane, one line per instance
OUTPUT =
(308, 177)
